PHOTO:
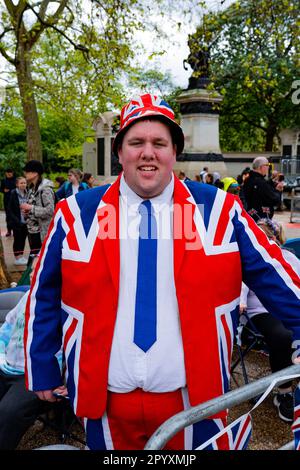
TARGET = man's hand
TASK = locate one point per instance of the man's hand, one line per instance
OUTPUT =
(279, 186)
(62, 391)
(243, 308)
(25, 207)
(296, 360)
(46, 395)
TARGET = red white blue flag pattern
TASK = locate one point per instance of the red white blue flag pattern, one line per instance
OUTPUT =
(237, 434)
(144, 105)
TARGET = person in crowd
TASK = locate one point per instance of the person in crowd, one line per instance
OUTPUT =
(203, 174)
(7, 185)
(277, 183)
(230, 185)
(19, 408)
(243, 176)
(277, 337)
(182, 176)
(18, 223)
(88, 179)
(209, 178)
(260, 197)
(137, 348)
(73, 186)
(241, 180)
(217, 180)
(39, 208)
(60, 180)
(277, 180)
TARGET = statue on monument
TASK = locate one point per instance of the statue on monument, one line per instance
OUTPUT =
(198, 59)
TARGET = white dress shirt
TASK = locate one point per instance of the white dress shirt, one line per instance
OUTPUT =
(161, 368)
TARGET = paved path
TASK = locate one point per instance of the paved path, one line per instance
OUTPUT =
(291, 230)
(8, 248)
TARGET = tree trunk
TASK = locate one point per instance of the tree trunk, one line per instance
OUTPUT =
(270, 135)
(33, 134)
(4, 276)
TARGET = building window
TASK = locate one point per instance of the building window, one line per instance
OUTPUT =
(100, 156)
(286, 151)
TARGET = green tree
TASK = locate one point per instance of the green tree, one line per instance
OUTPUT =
(254, 59)
(99, 40)
(71, 88)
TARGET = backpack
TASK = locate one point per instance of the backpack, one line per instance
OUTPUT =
(55, 198)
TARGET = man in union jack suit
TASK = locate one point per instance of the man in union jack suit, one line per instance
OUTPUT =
(140, 282)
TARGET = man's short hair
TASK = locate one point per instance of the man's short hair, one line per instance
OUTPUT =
(173, 131)
(259, 161)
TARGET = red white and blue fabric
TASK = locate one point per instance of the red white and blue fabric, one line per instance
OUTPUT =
(145, 320)
(237, 435)
(145, 105)
(75, 290)
(105, 434)
(100, 434)
(296, 423)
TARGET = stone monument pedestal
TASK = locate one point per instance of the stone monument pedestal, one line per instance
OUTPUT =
(199, 109)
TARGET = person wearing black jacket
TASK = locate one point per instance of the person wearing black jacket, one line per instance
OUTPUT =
(7, 185)
(18, 223)
(260, 197)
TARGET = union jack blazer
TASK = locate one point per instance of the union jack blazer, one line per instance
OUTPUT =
(74, 293)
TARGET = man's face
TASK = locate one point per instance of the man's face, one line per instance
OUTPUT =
(264, 169)
(30, 176)
(148, 155)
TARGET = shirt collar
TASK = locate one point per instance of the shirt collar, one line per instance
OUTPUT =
(132, 199)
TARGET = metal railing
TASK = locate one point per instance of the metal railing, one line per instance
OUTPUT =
(290, 166)
(295, 209)
(197, 413)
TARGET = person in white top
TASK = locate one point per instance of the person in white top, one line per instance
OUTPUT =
(277, 337)
(19, 408)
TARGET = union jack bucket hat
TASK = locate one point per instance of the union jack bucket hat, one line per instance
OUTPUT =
(144, 107)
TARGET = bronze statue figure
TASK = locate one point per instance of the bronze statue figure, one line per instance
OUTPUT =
(198, 59)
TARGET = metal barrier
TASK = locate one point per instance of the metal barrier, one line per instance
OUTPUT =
(288, 446)
(197, 413)
(295, 208)
(290, 166)
(58, 447)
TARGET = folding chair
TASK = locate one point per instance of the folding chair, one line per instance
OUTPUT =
(9, 299)
(248, 339)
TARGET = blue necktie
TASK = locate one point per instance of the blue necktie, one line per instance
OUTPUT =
(145, 300)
